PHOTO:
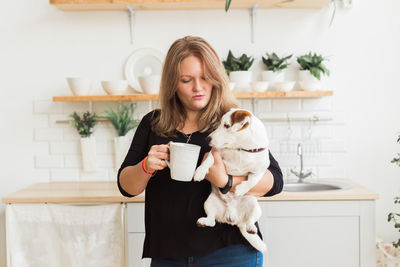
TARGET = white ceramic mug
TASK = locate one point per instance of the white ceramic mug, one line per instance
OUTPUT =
(183, 160)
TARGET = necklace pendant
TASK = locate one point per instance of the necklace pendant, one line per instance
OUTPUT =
(188, 137)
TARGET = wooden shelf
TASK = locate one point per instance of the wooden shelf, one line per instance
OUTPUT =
(182, 4)
(239, 95)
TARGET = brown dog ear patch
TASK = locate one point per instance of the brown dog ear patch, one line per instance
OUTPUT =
(239, 116)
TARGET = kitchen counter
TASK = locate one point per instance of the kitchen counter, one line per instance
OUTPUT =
(107, 192)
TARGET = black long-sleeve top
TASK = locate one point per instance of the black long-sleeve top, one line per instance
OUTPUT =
(172, 207)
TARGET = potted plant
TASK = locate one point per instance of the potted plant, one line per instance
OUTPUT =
(238, 70)
(311, 68)
(85, 127)
(389, 254)
(396, 216)
(123, 122)
(275, 67)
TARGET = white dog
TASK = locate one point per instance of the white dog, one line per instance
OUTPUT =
(242, 142)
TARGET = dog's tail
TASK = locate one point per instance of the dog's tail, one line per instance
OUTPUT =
(253, 239)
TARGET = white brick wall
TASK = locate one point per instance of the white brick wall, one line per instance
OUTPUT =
(58, 154)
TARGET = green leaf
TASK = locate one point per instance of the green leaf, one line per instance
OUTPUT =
(315, 72)
(227, 4)
(274, 63)
(235, 64)
(84, 125)
(122, 120)
(313, 63)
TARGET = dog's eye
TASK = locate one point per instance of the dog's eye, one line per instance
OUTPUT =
(227, 126)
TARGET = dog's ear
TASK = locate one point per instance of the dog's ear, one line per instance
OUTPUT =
(240, 120)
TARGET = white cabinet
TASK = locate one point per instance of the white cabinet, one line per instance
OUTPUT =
(135, 232)
(135, 246)
(319, 233)
(297, 233)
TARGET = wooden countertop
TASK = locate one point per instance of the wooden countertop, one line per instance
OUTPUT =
(107, 192)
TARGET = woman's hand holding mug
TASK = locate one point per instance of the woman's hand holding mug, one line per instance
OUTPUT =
(156, 158)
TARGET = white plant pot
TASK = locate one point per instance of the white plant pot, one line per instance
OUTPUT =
(308, 81)
(242, 80)
(305, 75)
(89, 158)
(121, 147)
(271, 76)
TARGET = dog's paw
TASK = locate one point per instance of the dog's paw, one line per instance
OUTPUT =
(205, 221)
(241, 189)
(200, 174)
(251, 228)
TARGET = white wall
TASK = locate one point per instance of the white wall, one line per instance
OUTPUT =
(41, 45)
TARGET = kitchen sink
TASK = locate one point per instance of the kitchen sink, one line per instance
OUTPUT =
(315, 186)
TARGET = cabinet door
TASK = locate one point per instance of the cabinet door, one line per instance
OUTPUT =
(311, 233)
(135, 217)
(135, 249)
(312, 241)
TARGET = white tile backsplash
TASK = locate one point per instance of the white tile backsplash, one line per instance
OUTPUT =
(41, 148)
(284, 132)
(73, 161)
(78, 107)
(48, 134)
(58, 153)
(41, 175)
(285, 105)
(64, 174)
(319, 104)
(65, 148)
(50, 161)
(100, 175)
(47, 107)
(40, 120)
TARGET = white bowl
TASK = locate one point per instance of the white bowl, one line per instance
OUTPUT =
(115, 87)
(79, 86)
(259, 86)
(310, 85)
(284, 86)
(150, 84)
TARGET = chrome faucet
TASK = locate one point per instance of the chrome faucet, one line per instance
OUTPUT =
(302, 174)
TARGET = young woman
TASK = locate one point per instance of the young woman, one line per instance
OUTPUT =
(194, 95)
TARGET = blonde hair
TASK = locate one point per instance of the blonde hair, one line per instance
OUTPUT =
(173, 113)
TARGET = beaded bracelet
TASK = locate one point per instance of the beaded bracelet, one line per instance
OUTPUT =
(144, 167)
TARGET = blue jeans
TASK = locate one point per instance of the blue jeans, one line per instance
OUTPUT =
(231, 256)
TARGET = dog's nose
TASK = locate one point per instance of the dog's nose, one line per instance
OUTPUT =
(208, 139)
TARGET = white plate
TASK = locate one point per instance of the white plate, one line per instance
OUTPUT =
(144, 61)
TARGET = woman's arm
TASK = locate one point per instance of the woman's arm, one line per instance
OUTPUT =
(133, 179)
(261, 189)
(270, 184)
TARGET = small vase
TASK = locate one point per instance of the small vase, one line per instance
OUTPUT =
(89, 158)
(242, 80)
(121, 147)
(273, 77)
(308, 81)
